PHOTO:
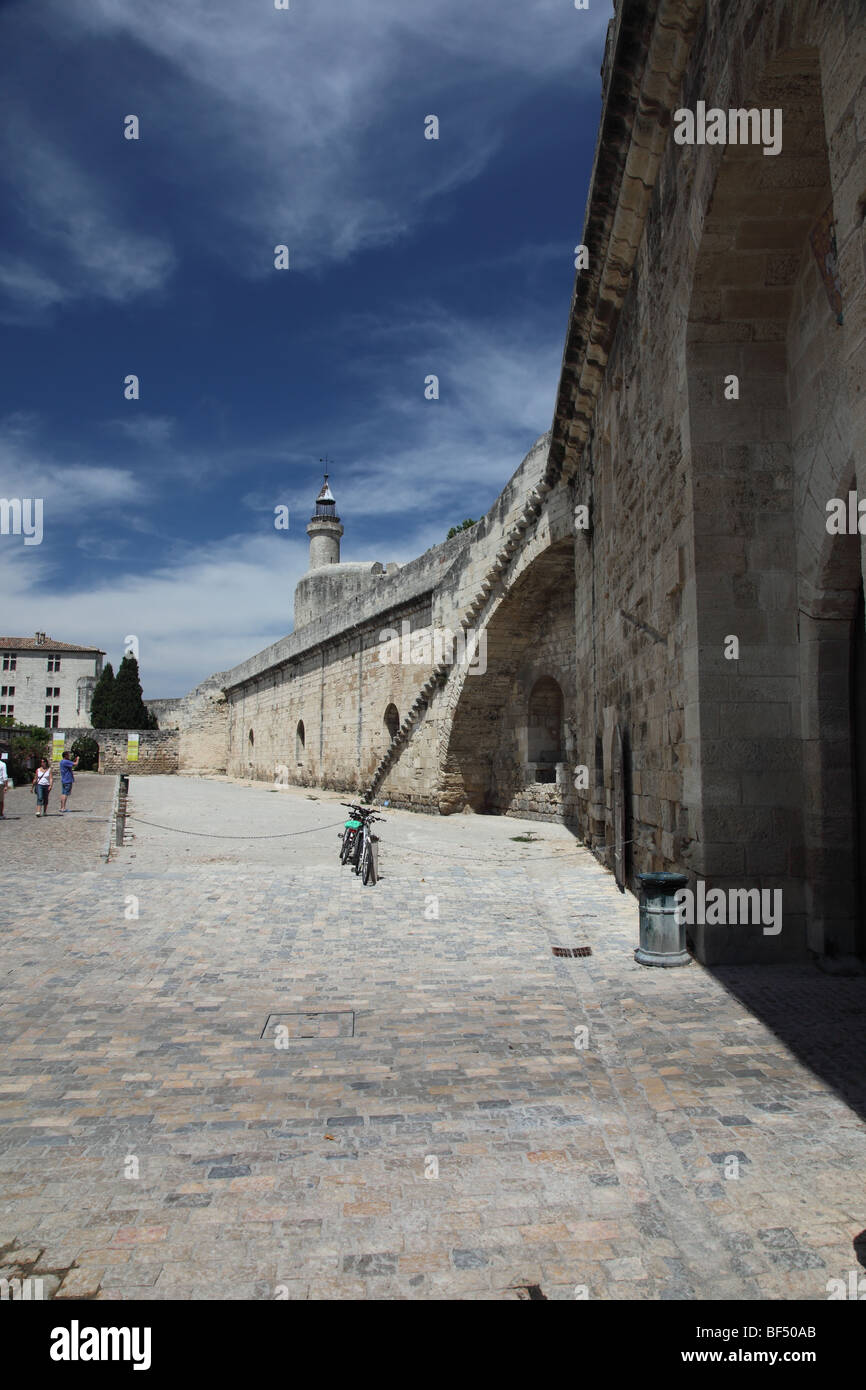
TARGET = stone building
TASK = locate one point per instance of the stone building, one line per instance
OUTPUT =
(46, 682)
(670, 629)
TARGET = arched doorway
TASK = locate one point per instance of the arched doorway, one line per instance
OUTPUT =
(391, 722)
(544, 729)
(769, 431)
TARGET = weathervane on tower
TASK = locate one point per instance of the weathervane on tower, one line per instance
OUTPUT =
(324, 528)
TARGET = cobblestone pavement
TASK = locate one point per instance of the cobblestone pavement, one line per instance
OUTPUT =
(157, 1142)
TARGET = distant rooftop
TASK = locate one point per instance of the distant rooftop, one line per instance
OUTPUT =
(40, 640)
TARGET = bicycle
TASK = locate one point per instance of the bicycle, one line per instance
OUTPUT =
(350, 843)
(366, 861)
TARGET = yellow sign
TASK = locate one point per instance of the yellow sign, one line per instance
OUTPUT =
(132, 748)
(58, 743)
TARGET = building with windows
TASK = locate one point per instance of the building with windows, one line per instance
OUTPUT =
(46, 682)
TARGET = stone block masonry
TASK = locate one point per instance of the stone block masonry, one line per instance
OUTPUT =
(158, 750)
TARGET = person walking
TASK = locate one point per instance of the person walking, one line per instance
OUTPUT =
(4, 779)
(42, 784)
(67, 767)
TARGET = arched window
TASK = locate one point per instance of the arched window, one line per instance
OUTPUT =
(299, 742)
(544, 727)
(391, 721)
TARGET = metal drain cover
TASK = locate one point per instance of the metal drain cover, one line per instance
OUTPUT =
(572, 950)
(336, 1023)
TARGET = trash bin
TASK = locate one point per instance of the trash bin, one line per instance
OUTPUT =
(662, 937)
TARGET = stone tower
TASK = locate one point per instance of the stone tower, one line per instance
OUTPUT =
(324, 530)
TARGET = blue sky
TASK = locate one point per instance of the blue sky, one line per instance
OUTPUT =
(408, 256)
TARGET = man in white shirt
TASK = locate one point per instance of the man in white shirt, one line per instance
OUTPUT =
(4, 778)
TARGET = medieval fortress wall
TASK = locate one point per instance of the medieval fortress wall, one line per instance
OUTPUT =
(730, 408)
(670, 633)
(318, 701)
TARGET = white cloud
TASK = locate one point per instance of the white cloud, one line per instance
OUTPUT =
(67, 489)
(497, 385)
(302, 126)
(29, 289)
(151, 431)
(208, 611)
(86, 245)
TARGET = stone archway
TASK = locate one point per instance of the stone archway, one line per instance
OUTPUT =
(768, 433)
(529, 640)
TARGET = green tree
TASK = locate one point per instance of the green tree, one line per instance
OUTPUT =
(87, 751)
(102, 703)
(464, 526)
(129, 710)
(27, 744)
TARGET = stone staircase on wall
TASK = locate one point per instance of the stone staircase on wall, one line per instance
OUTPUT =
(438, 677)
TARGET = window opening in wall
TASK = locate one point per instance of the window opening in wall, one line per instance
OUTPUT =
(544, 729)
(391, 721)
(299, 742)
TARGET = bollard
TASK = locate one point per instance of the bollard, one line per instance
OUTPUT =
(120, 825)
(662, 937)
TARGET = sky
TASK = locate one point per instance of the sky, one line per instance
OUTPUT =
(257, 128)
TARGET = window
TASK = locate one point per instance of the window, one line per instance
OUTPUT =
(52, 716)
(8, 690)
(52, 692)
(7, 709)
(53, 661)
(300, 742)
(10, 661)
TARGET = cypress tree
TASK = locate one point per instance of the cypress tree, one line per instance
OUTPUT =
(129, 710)
(102, 703)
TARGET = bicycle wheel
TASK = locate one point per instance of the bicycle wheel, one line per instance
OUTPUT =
(346, 850)
(367, 872)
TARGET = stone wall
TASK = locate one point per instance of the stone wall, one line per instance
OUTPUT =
(168, 712)
(202, 721)
(708, 512)
(339, 691)
(158, 750)
(329, 675)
